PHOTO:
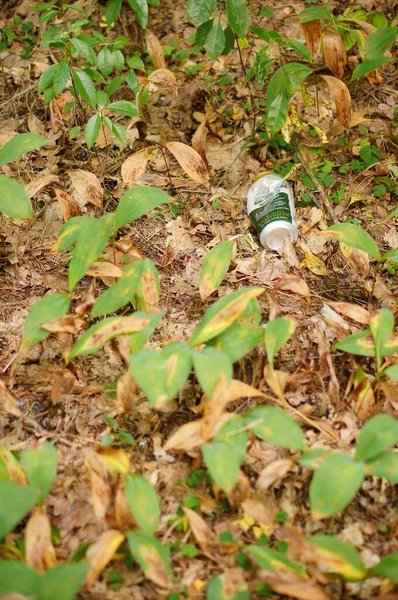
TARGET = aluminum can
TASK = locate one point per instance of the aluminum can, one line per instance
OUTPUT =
(270, 205)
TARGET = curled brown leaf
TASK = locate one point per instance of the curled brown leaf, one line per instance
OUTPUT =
(341, 98)
(334, 52)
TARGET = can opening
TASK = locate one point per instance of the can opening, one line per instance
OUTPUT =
(274, 240)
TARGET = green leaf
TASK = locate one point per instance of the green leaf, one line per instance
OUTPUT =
(238, 340)
(387, 567)
(335, 484)
(14, 201)
(89, 246)
(368, 65)
(16, 502)
(360, 343)
(313, 458)
(72, 231)
(85, 50)
(209, 364)
(10, 468)
(96, 336)
(215, 41)
(74, 132)
(378, 434)
(381, 325)
(124, 108)
(137, 202)
(141, 10)
(119, 132)
(85, 87)
(115, 84)
(214, 268)
(238, 16)
(112, 11)
(202, 31)
(162, 374)
(222, 314)
(277, 333)
(385, 465)
(143, 502)
(274, 561)
(137, 340)
(20, 144)
(276, 426)
(119, 294)
(220, 588)
(17, 578)
(46, 78)
(229, 40)
(61, 76)
(339, 557)
(63, 582)
(153, 558)
(44, 310)
(378, 42)
(353, 236)
(313, 13)
(199, 11)
(41, 467)
(105, 61)
(147, 292)
(391, 255)
(391, 371)
(92, 129)
(300, 48)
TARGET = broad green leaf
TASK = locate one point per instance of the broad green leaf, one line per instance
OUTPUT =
(61, 76)
(277, 333)
(353, 236)
(112, 11)
(20, 144)
(46, 79)
(385, 465)
(209, 364)
(89, 246)
(147, 291)
(63, 582)
(391, 254)
(238, 16)
(96, 336)
(105, 61)
(83, 49)
(335, 484)
(367, 66)
(338, 557)
(281, 88)
(141, 10)
(119, 294)
(153, 558)
(137, 340)
(391, 371)
(14, 201)
(393, 214)
(44, 310)
(199, 11)
(139, 201)
(381, 325)
(251, 315)
(225, 454)
(313, 13)
(115, 84)
(41, 467)
(222, 314)
(72, 230)
(85, 87)
(272, 560)
(378, 42)
(360, 343)
(276, 426)
(215, 41)
(220, 588)
(16, 502)
(92, 129)
(17, 578)
(229, 40)
(378, 434)
(300, 48)
(313, 458)
(238, 340)
(143, 502)
(202, 31)
(387, 567)
(214, 268)
(118, 60)
(10, 468)
(124, 108)
(117, 129)
(162, 374)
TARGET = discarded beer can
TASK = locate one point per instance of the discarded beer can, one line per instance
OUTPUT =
(270, 205)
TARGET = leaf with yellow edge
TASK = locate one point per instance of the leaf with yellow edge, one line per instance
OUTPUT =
(214, 268)
(314, 264)
(10, 469)
(152, 556)
(101, 553)
(381, 325)
(338, 557)
(272, 560)
(352, 235)
(276, 426)
(116, 459)
(277, 333)
(143, 502)
(222, 314)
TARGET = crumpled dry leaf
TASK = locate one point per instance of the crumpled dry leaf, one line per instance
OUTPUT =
(134, 166)
(199, 141)
(86, 187)
(165, 78)
(155, 50)
(8, 401)
(357, 258)
(273, 472)
(314, 264)
(68, 205)
(126, 389)
(352, 311)
(200, 529)
(327, 368)
(334, 52)
(292, 585)
(190, 161)
(292, 283)
(240, 492)
(341, 98)
(188, 437)
(67, 324)
(39, 550)
(363, 396)
(100, 488)
(214, 407)
(276, 380)
(313, 35)
(36, 185)
(101, 553)
(104, 269)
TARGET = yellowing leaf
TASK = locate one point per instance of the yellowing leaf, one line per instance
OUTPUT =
(101, 553)
(190, 161)
(338, 557)
(39, 550)
(314, 264)
(116, 459)
(214, 268)
(153, 558)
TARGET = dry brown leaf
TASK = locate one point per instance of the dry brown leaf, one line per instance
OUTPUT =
(190, 161)
(199, 141)
(327, 368)
(359, 259)
(292, 585)
(238, 389)
(100, 488)
(126, 388)
(352, 311)
(201, 531)
(276, 380)
(156, 569)
(39, 550)
(292, 283)
(66, 324)
(341, 98)
(101, 553)
(155, 50)
(68, 205)
(313, 36)
(62, 386)
(8, 402)
(134, 167)
(104, 269)
(188, 437)
(165, 78)
(86, 188)
(240, 492)
(214, 407)
(363, 396)
(35, 186)
(273, 472)
(334, 52)
(123, 515)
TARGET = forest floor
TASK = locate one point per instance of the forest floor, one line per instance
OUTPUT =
(69, 404)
